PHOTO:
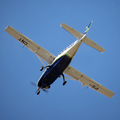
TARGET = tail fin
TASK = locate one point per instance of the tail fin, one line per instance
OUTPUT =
(79, 35)
(87, 28)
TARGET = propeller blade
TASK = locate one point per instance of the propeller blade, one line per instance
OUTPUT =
(45, 90)
(32, 83)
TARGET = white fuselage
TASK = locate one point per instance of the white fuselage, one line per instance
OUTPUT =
(71, 49)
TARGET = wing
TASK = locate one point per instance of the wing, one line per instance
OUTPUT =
(70, 71)
(38, 50)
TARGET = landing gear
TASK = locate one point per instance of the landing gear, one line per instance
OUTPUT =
(64, 82)
(47, 87)
(38, 91)
(41, 68)
(44, 67)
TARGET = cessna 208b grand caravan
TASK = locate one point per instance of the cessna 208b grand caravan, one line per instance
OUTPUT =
(58, 66)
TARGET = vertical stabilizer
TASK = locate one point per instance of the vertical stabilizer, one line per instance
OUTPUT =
(87, 28)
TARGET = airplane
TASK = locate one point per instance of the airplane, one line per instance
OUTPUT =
(58, 66)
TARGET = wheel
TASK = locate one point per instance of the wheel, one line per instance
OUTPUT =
(64, 82)
(38, 92)
(41, 68)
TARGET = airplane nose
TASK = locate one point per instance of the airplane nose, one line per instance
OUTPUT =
(39, 84)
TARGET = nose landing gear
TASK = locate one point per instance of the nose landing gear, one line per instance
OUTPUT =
(38, 91)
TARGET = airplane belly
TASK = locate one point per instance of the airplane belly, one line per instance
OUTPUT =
(56, 70)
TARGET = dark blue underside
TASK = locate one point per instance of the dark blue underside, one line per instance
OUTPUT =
(55, 70)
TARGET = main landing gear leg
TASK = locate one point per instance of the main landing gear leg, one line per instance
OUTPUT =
(64, 82)
(44, 67)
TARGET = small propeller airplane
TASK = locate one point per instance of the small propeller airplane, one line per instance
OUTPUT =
(58, 66)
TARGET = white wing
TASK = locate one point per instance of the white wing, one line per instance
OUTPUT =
(38, 50)
(70, 71)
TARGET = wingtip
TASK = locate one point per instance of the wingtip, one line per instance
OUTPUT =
(61, 24)
(7, 27)
(103, 51)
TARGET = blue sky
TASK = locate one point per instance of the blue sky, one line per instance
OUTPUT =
(40, 21)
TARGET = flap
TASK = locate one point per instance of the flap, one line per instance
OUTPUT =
(70, 71)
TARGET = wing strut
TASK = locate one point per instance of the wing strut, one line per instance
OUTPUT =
(68, 78)
(40, 59)
(42, 63)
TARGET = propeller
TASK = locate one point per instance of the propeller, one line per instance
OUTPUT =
(45, 90)
(32, 83)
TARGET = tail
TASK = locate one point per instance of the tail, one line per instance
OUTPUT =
(85, 39)
(87, 28)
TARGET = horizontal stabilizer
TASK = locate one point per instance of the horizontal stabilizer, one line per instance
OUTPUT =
(74, 32)
(79, 35)
(92, 44)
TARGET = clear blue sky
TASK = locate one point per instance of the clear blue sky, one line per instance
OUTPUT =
(40, 21)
